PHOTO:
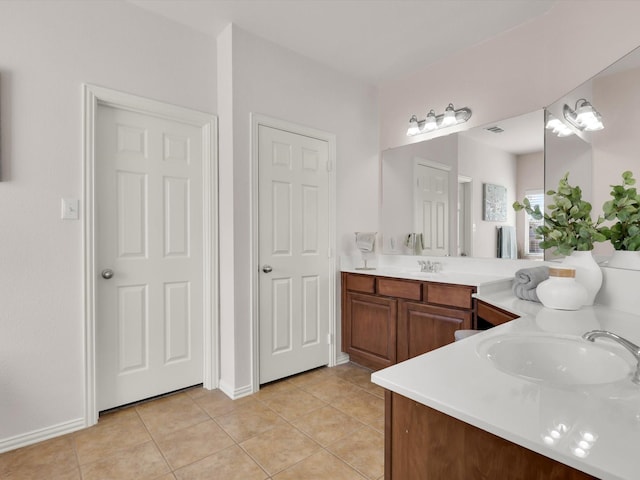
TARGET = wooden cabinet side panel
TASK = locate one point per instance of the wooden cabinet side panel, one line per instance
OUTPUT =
(426, 444)
(423, 446)
(343, 312)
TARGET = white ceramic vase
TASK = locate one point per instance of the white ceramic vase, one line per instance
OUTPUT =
(561, 291)
(625, 259)
(588, 273)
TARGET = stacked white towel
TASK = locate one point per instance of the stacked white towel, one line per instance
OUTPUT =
(365, 241)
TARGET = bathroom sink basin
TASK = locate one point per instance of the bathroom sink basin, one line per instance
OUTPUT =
(554, 360)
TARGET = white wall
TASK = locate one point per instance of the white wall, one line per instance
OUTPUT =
(518, 72)
(270, 80)
(530, 176)
(47, 50)
(486, 164)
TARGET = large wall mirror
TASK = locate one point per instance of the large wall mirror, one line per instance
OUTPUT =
(595, 160)
(434, 193)
(519, 155)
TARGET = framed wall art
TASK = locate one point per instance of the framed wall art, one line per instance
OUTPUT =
(495, 203)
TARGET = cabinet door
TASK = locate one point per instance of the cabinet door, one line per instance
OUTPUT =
(370, 333)
(422, 328)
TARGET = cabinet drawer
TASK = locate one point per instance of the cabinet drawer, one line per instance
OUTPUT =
(494, 315)
(360, 283)
(450, 295)
(400, 288)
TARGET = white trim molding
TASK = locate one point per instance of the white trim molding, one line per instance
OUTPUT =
(94, 96)
(330, 138)
(42, 434)
(236, 393)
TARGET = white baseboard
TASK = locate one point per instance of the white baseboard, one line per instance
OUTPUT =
(342, 358)
(236, 393)
(36, 436)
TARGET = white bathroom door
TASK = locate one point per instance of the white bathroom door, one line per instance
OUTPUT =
(148, 256)
(431, 200)
(294, 253)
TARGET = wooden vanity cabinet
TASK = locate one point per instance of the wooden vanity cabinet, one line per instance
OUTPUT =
(422, 444)
(388, 320)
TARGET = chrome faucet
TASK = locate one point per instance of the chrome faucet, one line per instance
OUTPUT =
(425, 266)
(632, 347)
(429, 266)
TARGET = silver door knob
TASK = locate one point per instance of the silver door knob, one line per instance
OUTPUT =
(267, 269)
(107, 273)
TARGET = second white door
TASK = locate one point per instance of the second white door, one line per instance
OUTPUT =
(294, 253)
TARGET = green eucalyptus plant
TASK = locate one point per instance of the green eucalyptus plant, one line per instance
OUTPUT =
(625, 208)
(567, 224)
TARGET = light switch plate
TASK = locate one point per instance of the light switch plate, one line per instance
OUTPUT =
(70, 207)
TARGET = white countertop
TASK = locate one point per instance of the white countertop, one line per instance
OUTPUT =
(456, 380)
(455, 278)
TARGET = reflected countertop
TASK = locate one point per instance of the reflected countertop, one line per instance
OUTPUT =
(593, 428)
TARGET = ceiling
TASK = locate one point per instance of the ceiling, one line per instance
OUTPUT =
(521, 135)
(373, 40)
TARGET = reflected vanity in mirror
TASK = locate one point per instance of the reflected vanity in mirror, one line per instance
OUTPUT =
(435, 189)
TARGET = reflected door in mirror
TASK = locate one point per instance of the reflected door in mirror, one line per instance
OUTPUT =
(431, 211)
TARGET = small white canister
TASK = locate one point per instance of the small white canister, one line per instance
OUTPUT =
(561, 291)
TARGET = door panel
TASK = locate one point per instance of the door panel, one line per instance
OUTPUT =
(132, 327)
(149, 316)
(294, 242)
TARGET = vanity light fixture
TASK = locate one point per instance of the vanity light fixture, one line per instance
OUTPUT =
(584, 116)
(558, 127)
(432, 122)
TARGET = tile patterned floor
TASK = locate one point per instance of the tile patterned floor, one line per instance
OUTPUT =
(323, 424)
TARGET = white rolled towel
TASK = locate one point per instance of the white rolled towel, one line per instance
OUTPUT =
(365, 241)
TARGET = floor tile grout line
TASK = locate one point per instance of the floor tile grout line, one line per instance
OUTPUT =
(166, 461)
(75, 453)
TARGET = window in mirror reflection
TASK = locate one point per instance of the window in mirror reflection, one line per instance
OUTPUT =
(532, 242)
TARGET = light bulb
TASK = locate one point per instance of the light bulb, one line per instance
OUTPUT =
(449, 117)
(595, 123)
(587, 117)
(430, 123)
(414, 128)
